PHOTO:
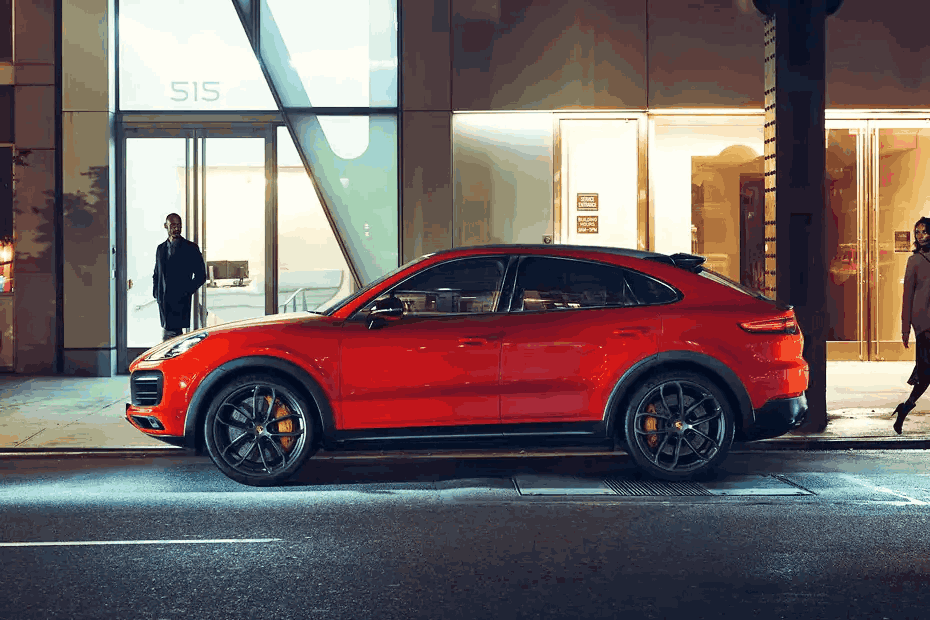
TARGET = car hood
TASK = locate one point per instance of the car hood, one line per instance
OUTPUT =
(291, 317)
(273, 319)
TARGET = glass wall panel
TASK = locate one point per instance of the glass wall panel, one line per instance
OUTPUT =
(187, 55)
(355, 163)
(311, 267)
(708, 171)
(502, 171)
(325, 54)
(156, 185)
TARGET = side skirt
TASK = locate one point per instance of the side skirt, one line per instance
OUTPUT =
(490, 436)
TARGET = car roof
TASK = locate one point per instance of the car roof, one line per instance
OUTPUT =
(513, 248)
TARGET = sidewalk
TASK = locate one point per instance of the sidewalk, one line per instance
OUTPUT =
(56, 413)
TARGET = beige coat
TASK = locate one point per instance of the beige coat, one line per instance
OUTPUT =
(915, 307)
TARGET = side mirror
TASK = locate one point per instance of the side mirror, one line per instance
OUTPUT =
(391, 307)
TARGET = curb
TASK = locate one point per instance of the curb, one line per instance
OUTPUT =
(124, 452)
(767, 445)
(844, 443)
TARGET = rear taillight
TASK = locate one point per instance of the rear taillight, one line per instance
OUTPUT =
(781, 325)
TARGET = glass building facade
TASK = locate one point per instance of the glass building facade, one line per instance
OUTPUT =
(310, 147)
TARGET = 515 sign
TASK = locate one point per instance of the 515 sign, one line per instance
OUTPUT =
(197, 91)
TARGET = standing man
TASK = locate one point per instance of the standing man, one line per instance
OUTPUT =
(179, 272)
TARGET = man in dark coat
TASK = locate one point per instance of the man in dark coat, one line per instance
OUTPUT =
(179, 272)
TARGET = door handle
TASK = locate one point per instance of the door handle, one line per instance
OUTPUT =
(632, 332)
(474, 341)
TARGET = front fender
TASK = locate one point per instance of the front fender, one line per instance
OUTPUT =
(257, 363)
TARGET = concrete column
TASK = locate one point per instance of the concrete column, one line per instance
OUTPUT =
(36, 262)
(795, 175)
(88, 171)
(426, 128)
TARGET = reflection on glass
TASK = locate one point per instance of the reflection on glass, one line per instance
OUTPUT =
(502, 167)
(842, 235)
(311, 267)
(361, 190)
(177, 55)
(234, 245)
(331, 54)
(711, 175)
(6, 267)
(903, 196)
(155, 187)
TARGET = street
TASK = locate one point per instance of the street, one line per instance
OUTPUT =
(777, 534)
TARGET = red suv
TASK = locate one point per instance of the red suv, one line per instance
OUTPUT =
(488, 346)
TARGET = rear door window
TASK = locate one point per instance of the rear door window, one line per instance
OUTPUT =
(547, 284)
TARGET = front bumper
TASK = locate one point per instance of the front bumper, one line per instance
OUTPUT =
(777, 417)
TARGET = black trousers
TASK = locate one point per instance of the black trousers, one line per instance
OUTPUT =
(168, 334)
(920, 376)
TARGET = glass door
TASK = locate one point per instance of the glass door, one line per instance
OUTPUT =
(215, 179)
(876, 192)
(600, 183)
(900, 194)
(846, 240)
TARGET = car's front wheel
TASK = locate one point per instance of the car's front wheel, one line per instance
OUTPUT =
(678, 425)
(259, 430)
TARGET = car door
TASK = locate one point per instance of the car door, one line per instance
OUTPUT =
(438, 364)
(574, 327)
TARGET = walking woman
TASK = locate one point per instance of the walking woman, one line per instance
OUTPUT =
(915, 312)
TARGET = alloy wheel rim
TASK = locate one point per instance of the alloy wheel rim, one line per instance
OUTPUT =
(259, 430)
(679, 426)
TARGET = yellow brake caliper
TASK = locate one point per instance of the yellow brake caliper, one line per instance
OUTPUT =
(651, 425)
(285, 426)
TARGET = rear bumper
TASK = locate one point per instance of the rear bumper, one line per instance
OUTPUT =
(777, 417)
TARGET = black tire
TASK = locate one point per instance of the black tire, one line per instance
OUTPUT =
(259, 430)
(674, 444)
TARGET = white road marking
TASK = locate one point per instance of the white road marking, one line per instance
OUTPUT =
(91, 543)
(910, 500)
(869, 485)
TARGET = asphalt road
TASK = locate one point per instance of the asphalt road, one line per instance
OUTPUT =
(772, 535)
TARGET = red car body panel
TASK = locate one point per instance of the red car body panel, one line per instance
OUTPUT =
(421, 372)
(561, 366)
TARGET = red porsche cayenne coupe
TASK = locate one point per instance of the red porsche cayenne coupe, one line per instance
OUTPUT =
(489, 346)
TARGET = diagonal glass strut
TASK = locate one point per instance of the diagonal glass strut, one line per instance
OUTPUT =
(348, 150)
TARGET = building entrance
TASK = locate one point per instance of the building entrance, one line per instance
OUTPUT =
(876, 191)
(215, 179)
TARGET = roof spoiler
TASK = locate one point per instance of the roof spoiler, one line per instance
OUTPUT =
(690, 262)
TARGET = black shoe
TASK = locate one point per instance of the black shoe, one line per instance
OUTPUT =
(902, 410)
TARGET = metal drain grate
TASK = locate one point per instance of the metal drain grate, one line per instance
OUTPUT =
(655, 488)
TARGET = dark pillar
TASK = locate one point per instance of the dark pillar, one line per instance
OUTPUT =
(796, 268)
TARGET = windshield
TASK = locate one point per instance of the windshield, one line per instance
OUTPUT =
(334, 305)
(720, 279)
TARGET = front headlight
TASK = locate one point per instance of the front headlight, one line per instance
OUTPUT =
(179, 347)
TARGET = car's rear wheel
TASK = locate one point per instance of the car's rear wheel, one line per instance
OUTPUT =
(678, 425)
(259, 430)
